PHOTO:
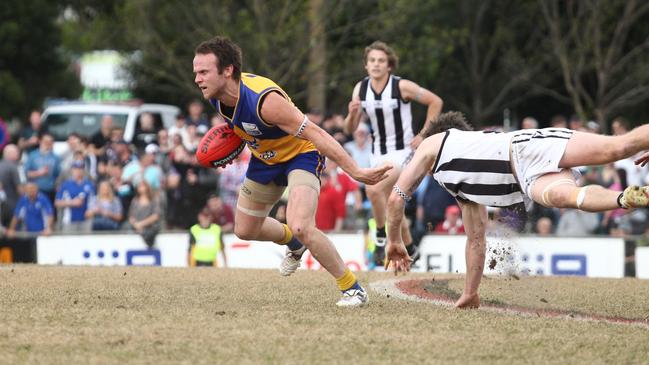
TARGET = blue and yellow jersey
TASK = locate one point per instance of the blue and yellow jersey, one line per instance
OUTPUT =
(268, 143)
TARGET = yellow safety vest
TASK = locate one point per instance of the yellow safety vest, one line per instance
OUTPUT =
(208, 242)
(371, 225)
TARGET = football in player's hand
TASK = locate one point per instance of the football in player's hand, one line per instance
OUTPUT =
(219, 147)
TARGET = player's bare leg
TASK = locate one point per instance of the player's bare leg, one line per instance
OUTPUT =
(300, 216)
(588, 149)
(559, 190)
(378, 195)
(251, 222)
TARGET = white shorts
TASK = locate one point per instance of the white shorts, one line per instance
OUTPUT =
(398, 158)
(537, 152)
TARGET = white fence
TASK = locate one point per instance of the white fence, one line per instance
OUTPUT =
(591, 256)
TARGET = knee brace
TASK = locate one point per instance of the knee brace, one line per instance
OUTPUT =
(579, 196)
(545, 196)
(262, 213)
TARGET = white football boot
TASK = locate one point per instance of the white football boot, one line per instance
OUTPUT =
(353, 298)
(291, 261)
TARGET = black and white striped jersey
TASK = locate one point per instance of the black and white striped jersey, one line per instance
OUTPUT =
(475, 166)
(390, 116)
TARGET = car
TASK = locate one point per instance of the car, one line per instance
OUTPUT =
(61, 120)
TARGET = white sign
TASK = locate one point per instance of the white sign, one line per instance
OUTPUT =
(104, 69)
(267, 255)
(590, 256)
(112, 249)
(642, 262)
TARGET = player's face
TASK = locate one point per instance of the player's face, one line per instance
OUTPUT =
(377, 64)
(207, 76)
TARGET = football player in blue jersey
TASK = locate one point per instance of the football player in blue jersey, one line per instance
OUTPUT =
(287, 152)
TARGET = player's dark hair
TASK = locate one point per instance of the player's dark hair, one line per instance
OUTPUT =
(227, 53)
(447, 121)
(393, 60)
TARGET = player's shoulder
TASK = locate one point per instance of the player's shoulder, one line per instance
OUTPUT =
(357, 88)
(405, 83)
(257, 83)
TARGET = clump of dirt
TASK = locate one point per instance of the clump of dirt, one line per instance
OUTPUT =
(502, 250)
(500, 254)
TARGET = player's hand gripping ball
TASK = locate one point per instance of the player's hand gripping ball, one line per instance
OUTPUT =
(219, 147)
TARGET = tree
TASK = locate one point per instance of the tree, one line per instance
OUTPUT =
(316, 88)
(274, 38)
(494, 61)
(602, 48)
(32, 65)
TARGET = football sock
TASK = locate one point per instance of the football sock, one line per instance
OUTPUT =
(348, 281)
(290, 240)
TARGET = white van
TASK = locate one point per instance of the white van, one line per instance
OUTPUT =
(85, 119)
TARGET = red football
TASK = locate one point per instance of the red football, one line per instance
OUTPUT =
(219, 147)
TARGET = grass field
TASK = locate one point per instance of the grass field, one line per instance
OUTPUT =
(63, 315)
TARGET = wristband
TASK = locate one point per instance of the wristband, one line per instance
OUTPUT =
(302, 126)
(403, 195)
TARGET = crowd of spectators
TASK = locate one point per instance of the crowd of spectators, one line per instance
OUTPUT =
(434, 210)
(103, 183)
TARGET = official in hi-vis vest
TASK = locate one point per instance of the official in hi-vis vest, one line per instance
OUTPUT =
(205, 242)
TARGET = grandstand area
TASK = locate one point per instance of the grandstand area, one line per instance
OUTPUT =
(104, 315)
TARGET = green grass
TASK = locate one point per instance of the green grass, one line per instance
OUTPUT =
(64, 315)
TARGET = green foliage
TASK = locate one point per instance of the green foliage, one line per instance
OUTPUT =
(602, 49)
(494, 61)
(481, 57)
(32, 66)
(166, 34)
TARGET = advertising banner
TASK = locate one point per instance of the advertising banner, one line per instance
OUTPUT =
(267, 255)
(519, 255)
(528, 255)
(113, 250)
(642, 262)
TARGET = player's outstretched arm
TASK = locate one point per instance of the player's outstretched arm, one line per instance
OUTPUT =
(278, 111)
(422, 162)
(474, 217)
(412, 91)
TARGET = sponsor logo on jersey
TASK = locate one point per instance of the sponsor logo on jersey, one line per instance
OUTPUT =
(251, 129)
(267, 155)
